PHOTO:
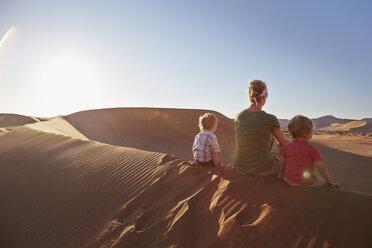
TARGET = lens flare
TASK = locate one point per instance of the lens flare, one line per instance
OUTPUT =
(6, 43)
(8, 36)
(306, 174)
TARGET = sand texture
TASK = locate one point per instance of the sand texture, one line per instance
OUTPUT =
(56, 191)
(111, 178)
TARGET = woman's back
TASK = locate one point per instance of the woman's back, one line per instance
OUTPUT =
(253, 135)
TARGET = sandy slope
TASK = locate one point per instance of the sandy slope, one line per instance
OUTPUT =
(351, 170)
(8, 120)
(56, 191)
(357, 144)
(154, 129)
(206, 207)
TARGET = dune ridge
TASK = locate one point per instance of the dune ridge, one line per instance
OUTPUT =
(56, 190)
(58, 125)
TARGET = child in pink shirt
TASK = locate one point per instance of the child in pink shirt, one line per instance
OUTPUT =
(301, 163)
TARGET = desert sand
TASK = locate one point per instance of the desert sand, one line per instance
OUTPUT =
(353, 143)
(123, 178)
(345, 127)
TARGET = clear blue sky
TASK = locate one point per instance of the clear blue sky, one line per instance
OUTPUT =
(315, 56)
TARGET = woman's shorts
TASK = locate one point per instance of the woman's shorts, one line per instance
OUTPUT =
(274, 170)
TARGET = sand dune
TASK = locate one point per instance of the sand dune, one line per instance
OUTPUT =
(9, 120)
(344, 127)
(153, 129)
(59, 189)
(58, 125)
(206, 207)
(328, 120)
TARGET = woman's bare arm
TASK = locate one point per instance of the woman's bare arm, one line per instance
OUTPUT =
(280, 137)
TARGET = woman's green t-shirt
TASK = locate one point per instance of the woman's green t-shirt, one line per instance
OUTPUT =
(253, 136)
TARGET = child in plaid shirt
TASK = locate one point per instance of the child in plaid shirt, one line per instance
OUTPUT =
(205, 148)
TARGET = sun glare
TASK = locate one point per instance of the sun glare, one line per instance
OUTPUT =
(69, 83)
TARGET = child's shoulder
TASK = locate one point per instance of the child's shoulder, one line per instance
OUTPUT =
(297, 144)
(313, 147)
(210, 133)
(306, 145)
(206, 133)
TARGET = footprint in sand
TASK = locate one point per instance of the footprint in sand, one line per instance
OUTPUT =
(253, 215)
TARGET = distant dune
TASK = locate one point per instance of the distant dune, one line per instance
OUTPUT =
(349, 126)
(153, 129)
(81, 181)
(7, 120)
(331, 123)
(328, 120)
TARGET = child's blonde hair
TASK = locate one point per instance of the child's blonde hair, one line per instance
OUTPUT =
(300, 126)
(207, 121)
(255, 89)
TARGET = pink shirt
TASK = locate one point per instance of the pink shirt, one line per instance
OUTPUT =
(300, 156)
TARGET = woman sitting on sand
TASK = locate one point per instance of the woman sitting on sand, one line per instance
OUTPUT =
(254, 130)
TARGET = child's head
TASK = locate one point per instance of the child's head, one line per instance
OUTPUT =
(300, 127)
(208, 121)
(257, 91)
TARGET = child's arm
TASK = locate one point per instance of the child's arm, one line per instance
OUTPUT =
(322, 168)
(215, 159)
(282, 168)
